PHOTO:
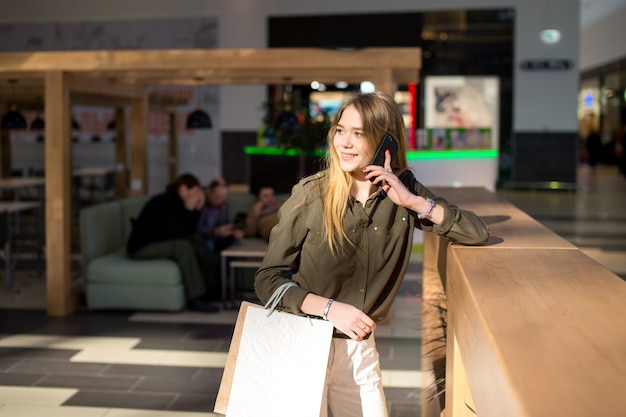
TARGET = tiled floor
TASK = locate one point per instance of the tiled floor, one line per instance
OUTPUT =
(123, 364)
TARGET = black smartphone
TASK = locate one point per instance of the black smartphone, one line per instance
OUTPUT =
(388, 142)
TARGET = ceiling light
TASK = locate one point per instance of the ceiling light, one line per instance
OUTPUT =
(550, 35)
(367, 87)
(13, 119)
(38, 123)
(198, 119)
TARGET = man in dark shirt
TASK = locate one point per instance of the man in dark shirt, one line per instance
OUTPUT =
(166, 228)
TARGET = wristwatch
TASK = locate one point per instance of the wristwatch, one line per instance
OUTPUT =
(428, 211)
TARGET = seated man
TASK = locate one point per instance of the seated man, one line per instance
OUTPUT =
(166, 228)
(263, 216)
(214, 224)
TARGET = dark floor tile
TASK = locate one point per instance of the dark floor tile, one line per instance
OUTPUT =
(211, 373)
(89, 382)
(212, 339)
(203, 403)
(178, 385)
(403, 402)
(403, 395)
(158, 401)
(399, 353)
(8, 354)
(25, 380)
(404, 410)
(411, 287)
(58, 367)
(213, 332)
(154, 371)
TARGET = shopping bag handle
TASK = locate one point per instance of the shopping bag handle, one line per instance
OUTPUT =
(272, 303)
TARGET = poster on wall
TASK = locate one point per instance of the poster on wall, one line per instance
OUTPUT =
(461, 112)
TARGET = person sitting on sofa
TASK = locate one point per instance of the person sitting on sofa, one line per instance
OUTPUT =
(214, 224)
(263, 215)
(166, 228)
(215, 227)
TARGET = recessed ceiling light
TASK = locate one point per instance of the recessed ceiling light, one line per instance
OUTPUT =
(550, 35)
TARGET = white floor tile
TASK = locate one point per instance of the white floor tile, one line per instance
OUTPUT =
(402, 379)
(124, 412)
(19, 410)
(193, 317)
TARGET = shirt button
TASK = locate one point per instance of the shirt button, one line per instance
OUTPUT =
(404, 219)
(375, 227)
(362, 290)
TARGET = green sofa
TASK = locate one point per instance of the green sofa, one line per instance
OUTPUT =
(112, 280)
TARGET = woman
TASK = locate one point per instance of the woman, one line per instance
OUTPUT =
(346, 241)
(166, 228)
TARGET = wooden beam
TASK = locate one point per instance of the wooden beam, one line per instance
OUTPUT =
(384, 81)
(58, 163)
(198, 59)
(105, 88)
(262, 76)
(102, 77)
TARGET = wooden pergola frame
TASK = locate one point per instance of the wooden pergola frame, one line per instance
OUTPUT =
(121, 78)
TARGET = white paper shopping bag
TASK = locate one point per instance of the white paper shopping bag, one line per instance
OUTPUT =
(279, 367)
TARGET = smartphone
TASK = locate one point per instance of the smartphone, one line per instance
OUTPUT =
(388, 142)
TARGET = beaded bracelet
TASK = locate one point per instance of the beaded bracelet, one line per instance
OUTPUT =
(429, 210)
(330, 301)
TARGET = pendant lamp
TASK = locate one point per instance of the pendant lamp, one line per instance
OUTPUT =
(13, 119)
(38, 123)
(199, 119)
(75, 124)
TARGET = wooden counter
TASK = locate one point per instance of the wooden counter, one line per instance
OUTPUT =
(534, 327)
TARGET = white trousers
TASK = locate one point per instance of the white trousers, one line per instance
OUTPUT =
(354, 386)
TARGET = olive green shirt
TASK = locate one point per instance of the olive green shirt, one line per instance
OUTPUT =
(366, 273)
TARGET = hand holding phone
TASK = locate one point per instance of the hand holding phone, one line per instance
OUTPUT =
(388, 143)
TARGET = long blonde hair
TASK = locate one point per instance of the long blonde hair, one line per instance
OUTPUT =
(379, 114)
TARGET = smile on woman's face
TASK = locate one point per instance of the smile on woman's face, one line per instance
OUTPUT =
(352, 148)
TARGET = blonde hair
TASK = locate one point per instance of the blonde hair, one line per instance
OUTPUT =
(379, 114)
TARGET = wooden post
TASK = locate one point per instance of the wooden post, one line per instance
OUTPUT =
(5, 160)
(58, 163)
(173, 147)
(121, 167)
(138, 146)
(5, 152)
(384, 81)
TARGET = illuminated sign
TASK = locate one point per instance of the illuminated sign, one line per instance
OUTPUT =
(546, 64)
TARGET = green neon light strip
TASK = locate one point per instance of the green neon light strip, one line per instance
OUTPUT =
(458, 154)
(411, 155)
